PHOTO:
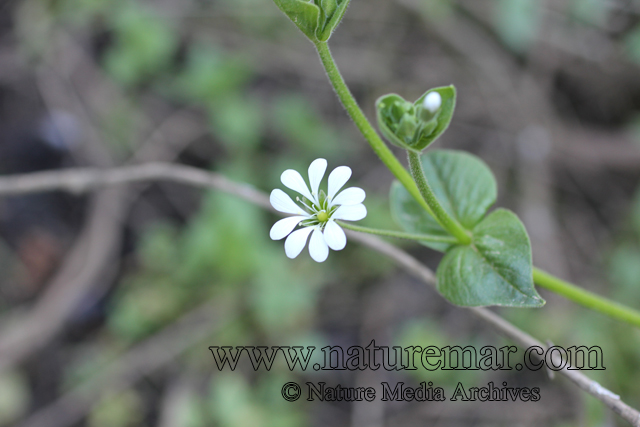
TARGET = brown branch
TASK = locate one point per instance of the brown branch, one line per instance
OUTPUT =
(142, 360)
(83, 180)
(93, 258)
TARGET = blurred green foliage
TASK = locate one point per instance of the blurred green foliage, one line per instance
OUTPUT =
(125, 409)
(143, 47)
(224, 249)
(517, 22)
(14, 397)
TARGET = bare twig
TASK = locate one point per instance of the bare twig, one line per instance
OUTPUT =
(143, 359)
(94, 251)
(82, 180)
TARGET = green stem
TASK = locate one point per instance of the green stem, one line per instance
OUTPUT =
(586, 298)
(568, 290)
(361, 121)
(447, 221)
(400, 234)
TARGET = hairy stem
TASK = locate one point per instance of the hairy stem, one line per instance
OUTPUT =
(446, 221)
(365, 127)
(585, 298)
(545, 280)
(400, 234)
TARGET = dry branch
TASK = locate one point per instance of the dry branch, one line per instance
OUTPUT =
(83, 180)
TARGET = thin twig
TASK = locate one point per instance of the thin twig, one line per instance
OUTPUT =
(83, 180)
(94, 251)
(138, 362)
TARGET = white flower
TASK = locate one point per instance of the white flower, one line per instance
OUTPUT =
(432, 102)
(318, 212)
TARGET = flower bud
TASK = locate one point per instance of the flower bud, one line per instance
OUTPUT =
(413, 126)
(407, 128)
(430, 106)
(432, 102)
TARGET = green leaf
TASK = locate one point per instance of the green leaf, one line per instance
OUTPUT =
(334, 14)
(445, 114)
(496, 269)
(305, 15)
(463, 184)
(401, 123)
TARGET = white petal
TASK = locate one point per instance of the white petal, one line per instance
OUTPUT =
(350, 196)
(282, 228)
(334, 236)
(337, 179)
(283, 203)
(293, 180)
(296, 241)
(318, 248)
(350, 213)
(432, 102)
(316, 173)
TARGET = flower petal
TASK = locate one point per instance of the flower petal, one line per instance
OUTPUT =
(350, 213)
(316, 172)
(337, 179)
(283, 203)
(318, 248)
(296, 241)
(350, 196)
(282, 228)
(334, 236)
(293, 180)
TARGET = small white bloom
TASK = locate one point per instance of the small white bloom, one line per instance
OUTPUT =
(317, 212)
(432, 102)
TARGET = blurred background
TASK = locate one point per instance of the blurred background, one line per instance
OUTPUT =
(108, 302)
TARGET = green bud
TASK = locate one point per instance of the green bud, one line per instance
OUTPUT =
(407, 127)
(334, 11)
(428, 128)
(329, 7)
(317, 19)
(414, 126)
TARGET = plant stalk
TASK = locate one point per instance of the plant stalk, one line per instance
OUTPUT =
(400, 234)
(447, 221)
(365, 127)
(585, 298)
(541, 278)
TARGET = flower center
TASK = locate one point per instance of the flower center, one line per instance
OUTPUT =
(323, 216)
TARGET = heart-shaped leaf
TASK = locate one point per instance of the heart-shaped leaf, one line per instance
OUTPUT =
(404, 123)
(462, 183)
(496, 269)
(305, 15)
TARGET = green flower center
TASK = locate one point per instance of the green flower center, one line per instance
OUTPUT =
(323, 216)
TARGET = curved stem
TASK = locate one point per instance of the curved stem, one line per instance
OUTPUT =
(586, 298)
(365, 127)
(446, 221)
(400, 234)
(543, 279)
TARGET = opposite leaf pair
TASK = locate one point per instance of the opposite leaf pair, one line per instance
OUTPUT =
(317, 19)
(414, 126)
(496, 268)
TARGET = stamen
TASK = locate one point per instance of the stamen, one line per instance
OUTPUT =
(308, 207)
